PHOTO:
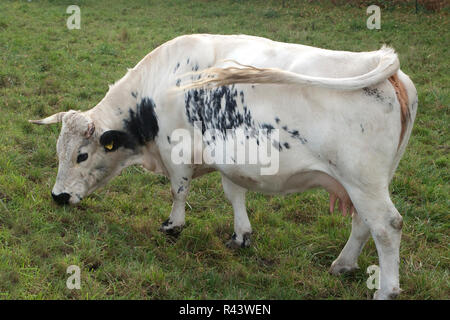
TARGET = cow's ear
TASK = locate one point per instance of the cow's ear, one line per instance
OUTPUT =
(90, 130)
(113, 139)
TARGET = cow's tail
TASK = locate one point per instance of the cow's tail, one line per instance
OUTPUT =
(388, 65)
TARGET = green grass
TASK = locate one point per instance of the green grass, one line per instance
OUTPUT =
(113, 234)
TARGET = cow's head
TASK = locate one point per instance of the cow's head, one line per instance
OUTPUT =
(89, 156)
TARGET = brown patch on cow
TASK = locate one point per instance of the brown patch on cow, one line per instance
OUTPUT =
(402, 97)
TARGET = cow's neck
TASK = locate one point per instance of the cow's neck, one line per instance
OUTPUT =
(121, 99)
(125, 96)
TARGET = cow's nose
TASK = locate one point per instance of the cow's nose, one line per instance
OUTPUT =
(62, 198)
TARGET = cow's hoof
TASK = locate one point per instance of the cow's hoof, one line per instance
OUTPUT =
(168, 228)
(235, 243)
(380, 295)
(337, 268)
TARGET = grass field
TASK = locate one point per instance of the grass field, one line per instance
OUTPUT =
(113, 234)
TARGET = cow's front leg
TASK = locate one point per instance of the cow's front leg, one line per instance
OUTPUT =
(242, 228)
(179, 187)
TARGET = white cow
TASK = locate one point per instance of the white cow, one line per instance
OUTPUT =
(343, 121)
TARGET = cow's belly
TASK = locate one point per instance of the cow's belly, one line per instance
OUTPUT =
(284, 183)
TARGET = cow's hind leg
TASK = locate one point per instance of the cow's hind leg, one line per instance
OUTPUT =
(242, 228)
(348, 258)
(385, 223)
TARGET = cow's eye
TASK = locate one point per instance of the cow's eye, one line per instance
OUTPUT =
(82, 157)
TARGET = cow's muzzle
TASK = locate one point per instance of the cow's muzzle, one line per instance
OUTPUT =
(62, 198)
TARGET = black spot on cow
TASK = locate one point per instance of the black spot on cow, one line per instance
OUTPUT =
(187, 61)
(268, 127)
(277, 145)
(195, 67)
(221, 110)
(134, 94)
(217, 109)
(375, 93)
(277, 120)
(142, 123)
(295, 134)
(180, 189)
(168, 139)
(286, 145)
(362, 128)
(185, 179)
(178, 82)
(241, 94)
(380, 97)
(176, 67)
